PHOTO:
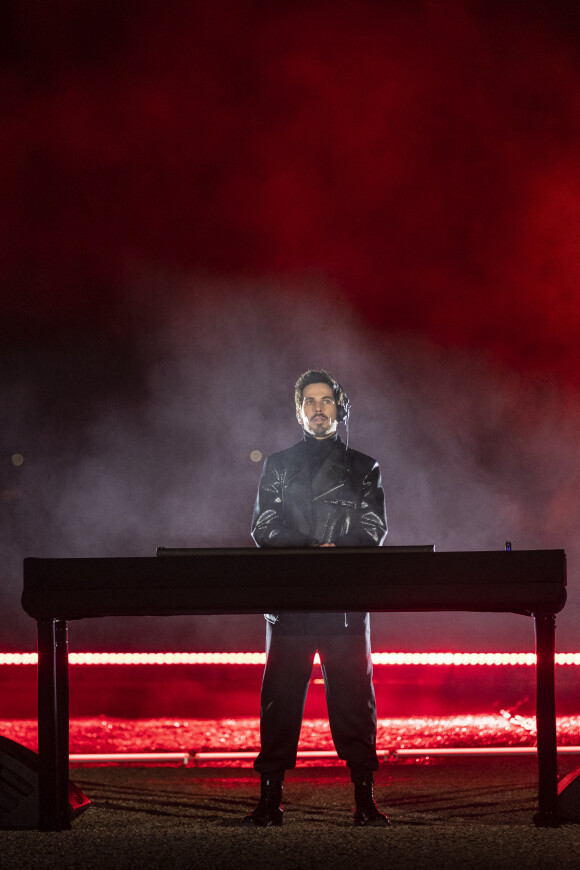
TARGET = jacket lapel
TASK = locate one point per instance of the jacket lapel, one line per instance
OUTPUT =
(330, 477)
(299, 490)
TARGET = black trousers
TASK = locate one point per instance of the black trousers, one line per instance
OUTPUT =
(345, 656)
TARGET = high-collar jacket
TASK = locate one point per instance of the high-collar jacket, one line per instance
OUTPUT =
(342, 504)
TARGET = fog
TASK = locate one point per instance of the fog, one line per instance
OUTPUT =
(148, 444)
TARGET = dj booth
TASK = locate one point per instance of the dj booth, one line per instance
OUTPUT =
(230, 581)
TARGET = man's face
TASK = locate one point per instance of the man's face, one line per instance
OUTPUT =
(318, 410)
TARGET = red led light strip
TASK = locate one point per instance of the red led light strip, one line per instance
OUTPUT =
(384, 755)
(258, 658)
(129, 757)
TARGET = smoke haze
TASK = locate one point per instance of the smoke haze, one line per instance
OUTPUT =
(200, 200)
(471, 456)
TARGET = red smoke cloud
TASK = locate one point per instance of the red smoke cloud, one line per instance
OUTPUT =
(422, 157)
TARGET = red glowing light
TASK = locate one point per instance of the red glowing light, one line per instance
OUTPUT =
(236, 740)
(259, 658)
(390, 756)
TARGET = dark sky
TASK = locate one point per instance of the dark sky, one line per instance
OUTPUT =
(201, 199)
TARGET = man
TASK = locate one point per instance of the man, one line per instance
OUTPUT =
(318, 493)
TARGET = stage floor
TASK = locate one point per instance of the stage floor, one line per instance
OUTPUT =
(452, 813)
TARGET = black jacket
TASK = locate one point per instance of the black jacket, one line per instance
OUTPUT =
(343, 504)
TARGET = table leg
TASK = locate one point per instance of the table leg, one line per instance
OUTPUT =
(53, 725)
(547, 815)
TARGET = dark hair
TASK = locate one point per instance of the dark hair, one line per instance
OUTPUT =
(319, 376)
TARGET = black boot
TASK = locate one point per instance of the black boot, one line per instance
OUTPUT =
(367, 812)
(269, 810)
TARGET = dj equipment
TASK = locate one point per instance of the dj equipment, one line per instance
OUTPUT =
(213, 581)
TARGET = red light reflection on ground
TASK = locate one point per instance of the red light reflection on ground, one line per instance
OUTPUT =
(105, 734)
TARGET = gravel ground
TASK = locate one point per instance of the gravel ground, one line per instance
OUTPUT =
(474, 813)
